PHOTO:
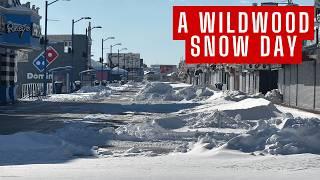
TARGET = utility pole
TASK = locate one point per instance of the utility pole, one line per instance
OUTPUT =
(45, 49)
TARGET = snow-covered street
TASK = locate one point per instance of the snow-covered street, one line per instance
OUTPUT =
(157, 131)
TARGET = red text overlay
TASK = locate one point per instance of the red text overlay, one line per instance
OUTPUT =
(243, 34)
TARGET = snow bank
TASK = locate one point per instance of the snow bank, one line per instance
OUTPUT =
(217, 119)
(33, 147)
(274, 96)
(251, 109)
(296, 136)
(93, 89)
(239, 96)
(85, 94)
(234, 95)
(75, 139)
(157, 91)
(149, 131)
(194, 92)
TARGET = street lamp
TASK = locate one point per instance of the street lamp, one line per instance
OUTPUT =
(102, 54)
(124, 60)
(111, 46)
(72, 48)
(96, 27)
(88, 33)
(45, 44)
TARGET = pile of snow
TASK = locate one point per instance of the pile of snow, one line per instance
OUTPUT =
(149, 131)
(178, 86)
(188, 93)
(217, 119)
(294, 136)
(239, 95)
(193, 92)
(157, 91)
(31, 147)
(234, 95)
(93, 89)
(166, 92)
(251, 109)
(203, 144)
(75, 139)
(74, 97)
(274, 96)
(85, 94)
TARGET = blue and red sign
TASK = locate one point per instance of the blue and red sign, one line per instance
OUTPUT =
(41, 62)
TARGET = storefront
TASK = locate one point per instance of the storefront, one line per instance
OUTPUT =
(19, 33)
(31, 72)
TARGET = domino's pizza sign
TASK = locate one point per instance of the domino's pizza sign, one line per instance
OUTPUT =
(41, 62)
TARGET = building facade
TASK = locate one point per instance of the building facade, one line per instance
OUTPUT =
(31, 72)
(20, 33)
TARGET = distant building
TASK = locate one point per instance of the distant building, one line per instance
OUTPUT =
(130, 62)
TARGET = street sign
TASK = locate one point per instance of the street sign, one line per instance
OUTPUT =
(41, 62)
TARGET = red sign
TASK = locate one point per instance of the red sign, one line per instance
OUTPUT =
(243, 34)
(51, 54)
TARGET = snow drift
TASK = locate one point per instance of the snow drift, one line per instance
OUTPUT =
(193, 92)
(217, 119)
(85, 94)
(274, 96)
(251, 109)
(157, 91)
(92, 89)
(74, 140)
(296, 136)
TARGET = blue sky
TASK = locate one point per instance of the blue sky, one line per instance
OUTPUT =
(142, 26)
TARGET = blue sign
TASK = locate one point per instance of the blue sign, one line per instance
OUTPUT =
(20, 31)
(41, 62)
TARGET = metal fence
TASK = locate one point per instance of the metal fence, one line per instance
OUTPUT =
(34, 90)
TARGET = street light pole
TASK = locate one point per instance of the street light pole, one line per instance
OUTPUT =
(45, 49)
(102, 42)
(118, 61)
(45, 45)
(102, 56)
(119, 50)
(111, 46)
(72, 51)
(89, 39)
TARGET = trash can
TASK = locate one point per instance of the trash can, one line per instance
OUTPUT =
(104, 83)
(77, 85)
(96, 83)
(58, 87)
(219, 86)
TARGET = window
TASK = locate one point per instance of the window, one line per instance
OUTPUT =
(67, 46)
